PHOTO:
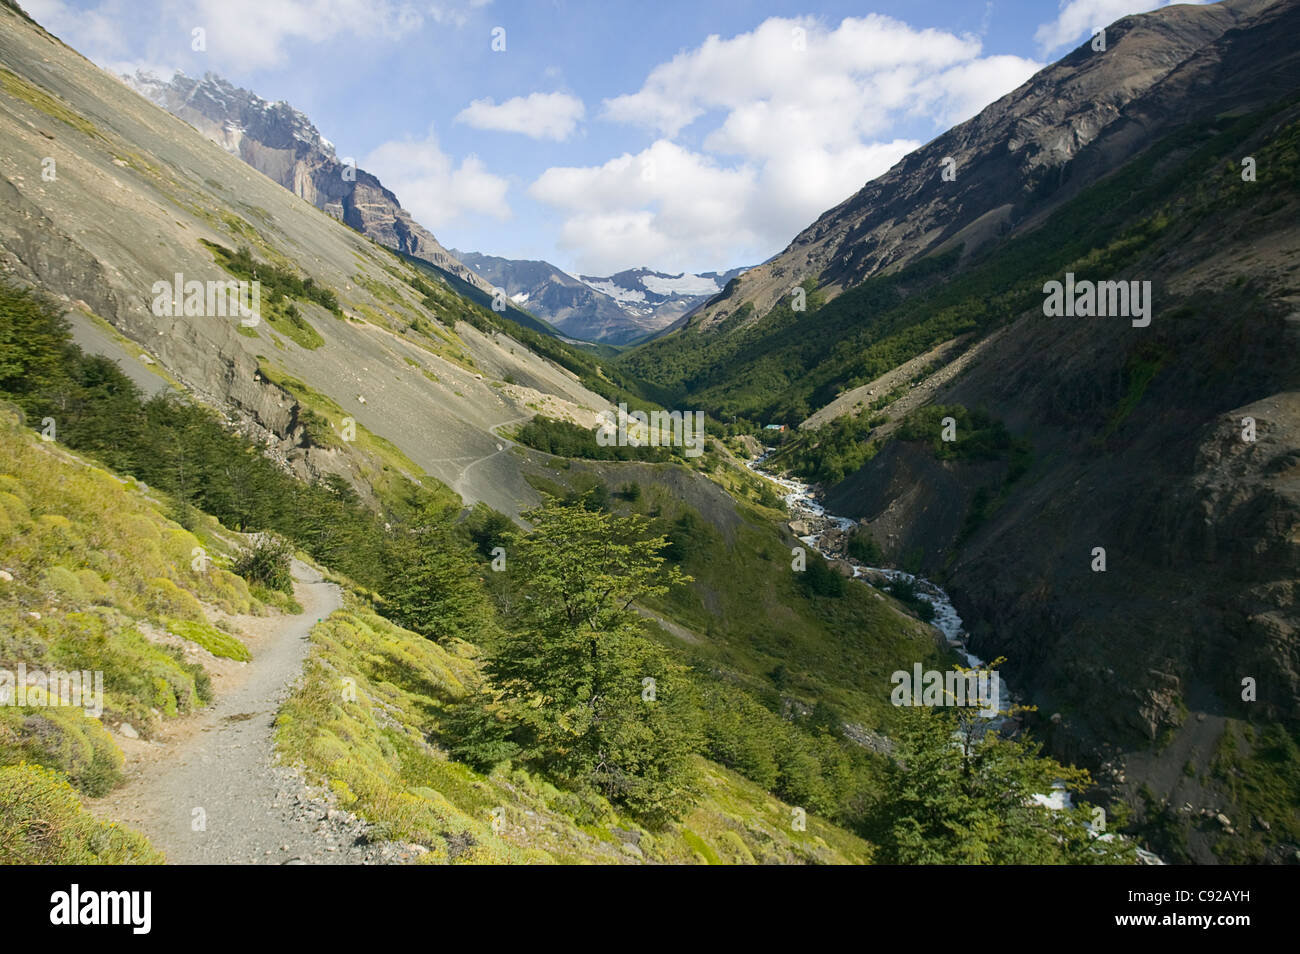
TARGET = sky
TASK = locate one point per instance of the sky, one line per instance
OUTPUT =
(680, 136)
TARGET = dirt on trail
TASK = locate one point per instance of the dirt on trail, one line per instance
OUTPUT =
(208, 789)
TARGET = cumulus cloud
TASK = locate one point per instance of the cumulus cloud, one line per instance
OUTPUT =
(793, 117)
(1080, 19)
(539, 115)
(432, 187)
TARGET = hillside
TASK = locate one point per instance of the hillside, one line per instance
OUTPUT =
(140, 196)
(1073, 433)
(1036, 147)
(160, 633)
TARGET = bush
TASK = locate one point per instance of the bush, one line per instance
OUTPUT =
(820, 579)
(42, 822)
(905, 592)
(267, 563)
(863, 547)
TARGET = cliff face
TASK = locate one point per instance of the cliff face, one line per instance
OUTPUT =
(282, 144)
(1016, 160)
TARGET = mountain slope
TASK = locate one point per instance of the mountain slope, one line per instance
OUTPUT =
(139, 196)
(281, 143)
(1025, 153)
(572, 306)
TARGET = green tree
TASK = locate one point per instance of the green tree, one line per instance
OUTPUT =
(958, 794)
(571, 677)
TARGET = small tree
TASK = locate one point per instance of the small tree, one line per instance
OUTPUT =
(957, 793)
(438, 592)
(572, 675)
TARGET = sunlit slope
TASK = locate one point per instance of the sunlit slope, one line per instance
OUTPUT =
(102, 194)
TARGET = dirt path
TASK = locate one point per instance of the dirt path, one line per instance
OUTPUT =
(218, 767)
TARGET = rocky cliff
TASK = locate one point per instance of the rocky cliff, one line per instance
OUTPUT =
(282, 144)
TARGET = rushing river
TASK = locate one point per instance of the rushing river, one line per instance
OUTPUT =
(804, 506)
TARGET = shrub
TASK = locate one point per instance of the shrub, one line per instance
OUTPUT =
(267, 562)
(42, 822)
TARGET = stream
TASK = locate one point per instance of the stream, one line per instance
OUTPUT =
(803, 506)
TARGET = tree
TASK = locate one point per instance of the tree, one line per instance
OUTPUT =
(438, 593)
(571, 677)
(957, 793)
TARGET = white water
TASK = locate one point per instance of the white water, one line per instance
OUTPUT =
(802, 505)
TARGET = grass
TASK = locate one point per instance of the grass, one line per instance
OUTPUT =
(42, 822)
(33, 96)
(366, 721)
(212, 639)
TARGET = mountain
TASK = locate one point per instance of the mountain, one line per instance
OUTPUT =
(282, 144)
(617, 309)
(1118, 510)
(1029, 151)
(397, 345)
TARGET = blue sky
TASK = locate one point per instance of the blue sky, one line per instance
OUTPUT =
(678, 135)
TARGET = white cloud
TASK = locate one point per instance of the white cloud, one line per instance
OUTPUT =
(1080, 19)
(665, 205)
(805, 114)
(432, 187)
(539, 115)
(237, 34)
(251, 34)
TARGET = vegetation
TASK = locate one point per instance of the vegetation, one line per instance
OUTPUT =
(973, 803)
(567, 692)
(279, 287)
(267, 563)
(42, 822)
(566, 439)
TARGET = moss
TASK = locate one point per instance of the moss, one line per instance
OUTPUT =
(210, 638)
(33, 96)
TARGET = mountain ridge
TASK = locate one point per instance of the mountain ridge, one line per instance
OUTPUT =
(282, 143)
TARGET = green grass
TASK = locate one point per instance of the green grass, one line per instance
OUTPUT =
(42, 822)
(374, 742)
(212, 639)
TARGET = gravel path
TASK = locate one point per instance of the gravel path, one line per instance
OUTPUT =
(218, 774)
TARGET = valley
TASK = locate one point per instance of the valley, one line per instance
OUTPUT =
(390, 553)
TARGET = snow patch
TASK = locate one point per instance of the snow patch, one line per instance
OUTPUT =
(688, 285)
